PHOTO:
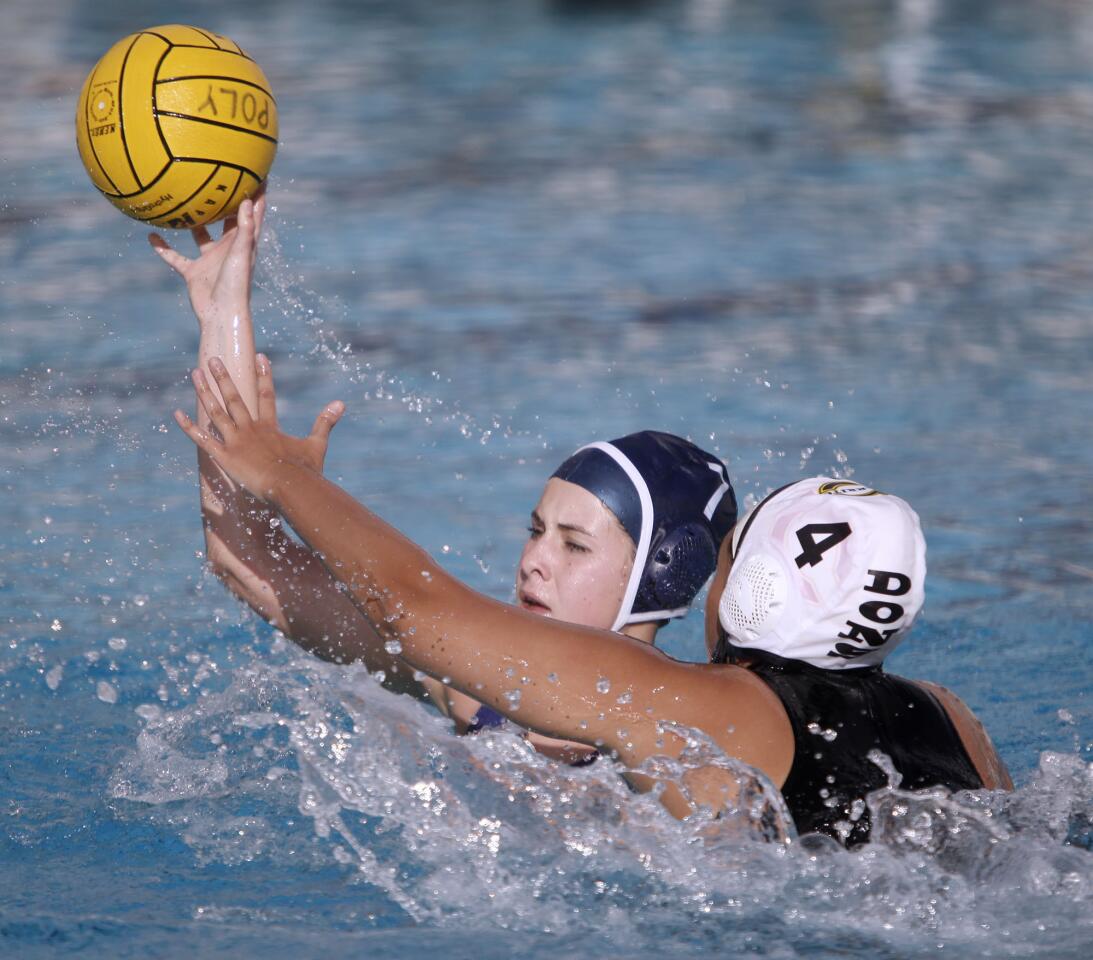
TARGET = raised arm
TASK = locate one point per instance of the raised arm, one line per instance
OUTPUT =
(558, 679)
(246, 545)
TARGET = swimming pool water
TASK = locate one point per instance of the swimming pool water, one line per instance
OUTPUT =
(838, 238)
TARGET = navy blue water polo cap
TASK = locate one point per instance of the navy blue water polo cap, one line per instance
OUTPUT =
(676, 502)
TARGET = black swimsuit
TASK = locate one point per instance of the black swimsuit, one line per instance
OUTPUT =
(838, 717)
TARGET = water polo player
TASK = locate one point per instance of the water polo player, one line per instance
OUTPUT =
(827, 582)
(623, 537)
(820, 582)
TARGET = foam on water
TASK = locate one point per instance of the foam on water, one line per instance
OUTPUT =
(482, 830)
(843, 238)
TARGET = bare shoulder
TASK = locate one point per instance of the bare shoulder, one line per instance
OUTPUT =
(974, 736)
(741, 713)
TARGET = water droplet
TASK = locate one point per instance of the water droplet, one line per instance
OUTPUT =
(513, 697)
(105, 692)
(603, 685)
(816, 730)
(54, 676)
(624, 698)
(117, 643)
(393, 647)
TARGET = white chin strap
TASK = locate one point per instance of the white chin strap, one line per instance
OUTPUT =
(642, 553)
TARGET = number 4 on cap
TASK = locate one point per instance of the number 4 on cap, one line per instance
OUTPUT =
(813, 549)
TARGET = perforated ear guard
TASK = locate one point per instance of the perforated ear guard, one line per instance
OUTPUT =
(754, 599)
(825, 572)
(677, 567)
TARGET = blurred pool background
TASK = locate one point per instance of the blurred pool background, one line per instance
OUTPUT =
(838, 237)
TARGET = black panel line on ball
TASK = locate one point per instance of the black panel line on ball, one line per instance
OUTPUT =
(162, 171)
(210, 39)
(223, 163)
(179, 206)
(216, 123)
(90, 138)
(196, 46)
(159, 176)
(209, 76)
(121, 118)
(230, 194)
(155, 110)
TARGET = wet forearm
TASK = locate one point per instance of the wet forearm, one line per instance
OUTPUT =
(227, 332)
(376, 562)
(484, 648)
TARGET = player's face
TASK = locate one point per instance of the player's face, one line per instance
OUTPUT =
(713, 598)
(577, 559)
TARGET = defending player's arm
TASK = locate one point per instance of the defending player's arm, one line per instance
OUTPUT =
(977, 742)
(246, 545)
(558, 679)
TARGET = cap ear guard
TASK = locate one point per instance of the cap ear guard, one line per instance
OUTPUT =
(832, 574)
(680, 563)
(676, 503)
(754, 599)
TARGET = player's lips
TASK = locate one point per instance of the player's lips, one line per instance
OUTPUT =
(531, 602)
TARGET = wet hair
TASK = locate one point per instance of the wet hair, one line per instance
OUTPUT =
(676, 503)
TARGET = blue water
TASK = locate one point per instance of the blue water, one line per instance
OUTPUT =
(840, 237)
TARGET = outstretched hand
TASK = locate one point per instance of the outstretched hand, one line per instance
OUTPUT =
(251, 450)
(218, 279)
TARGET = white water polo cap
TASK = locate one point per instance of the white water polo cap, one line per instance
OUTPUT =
(827, 572)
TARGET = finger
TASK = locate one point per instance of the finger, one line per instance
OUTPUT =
(234, 403)
(259, 209)
(202, 238)
(209, 402)
(267, 397)
(244, 218)
(242, 251)
(175, 260)
(230, 223)
(326, 421)
(201, 438)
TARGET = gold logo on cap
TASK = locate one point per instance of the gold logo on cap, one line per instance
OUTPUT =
(847, 488)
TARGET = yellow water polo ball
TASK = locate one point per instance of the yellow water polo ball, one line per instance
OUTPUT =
(176, 126)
